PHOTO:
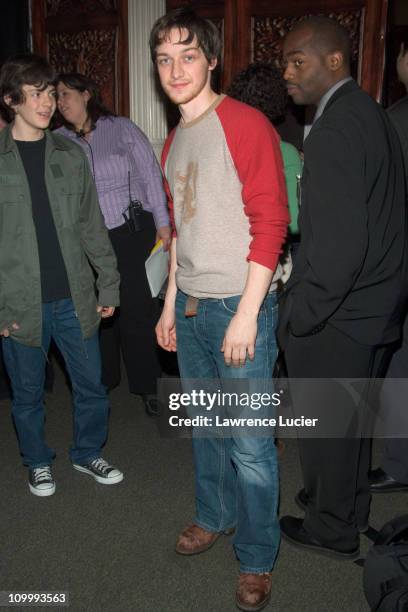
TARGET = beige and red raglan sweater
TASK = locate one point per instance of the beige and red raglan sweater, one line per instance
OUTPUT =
(227, 197)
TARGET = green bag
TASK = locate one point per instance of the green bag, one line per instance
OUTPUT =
(293, 171)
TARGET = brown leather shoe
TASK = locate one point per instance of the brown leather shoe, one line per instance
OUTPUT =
(253, 592)
(194, 539)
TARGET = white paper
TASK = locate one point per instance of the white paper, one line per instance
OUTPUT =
(157, 268)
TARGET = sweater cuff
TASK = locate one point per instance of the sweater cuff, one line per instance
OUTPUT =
(268, 260)
(161, 218)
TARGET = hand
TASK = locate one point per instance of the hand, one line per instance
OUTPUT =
(164, 234)
(402, 65)
(166, 330)
(6, 331)
(239, 340)
(106, 311)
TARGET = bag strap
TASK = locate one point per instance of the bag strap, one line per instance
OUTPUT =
(396, 583)
(393, 529)
(391, 585)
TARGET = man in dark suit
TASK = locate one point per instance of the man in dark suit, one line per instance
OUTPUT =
(393, 474)
(398, 112)
(341, 309)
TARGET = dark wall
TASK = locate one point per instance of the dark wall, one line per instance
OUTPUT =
(14, 29)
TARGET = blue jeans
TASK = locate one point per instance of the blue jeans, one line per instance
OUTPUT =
(236, 477)
(26, 368)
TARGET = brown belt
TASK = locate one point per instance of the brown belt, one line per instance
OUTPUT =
(191, 306)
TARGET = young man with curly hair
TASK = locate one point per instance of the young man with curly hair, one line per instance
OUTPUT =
(53, 240)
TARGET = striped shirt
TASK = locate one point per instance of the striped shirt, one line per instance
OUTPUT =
(115, 147)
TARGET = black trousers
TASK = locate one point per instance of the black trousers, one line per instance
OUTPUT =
(130, 331)
(394, 403)
(335, 470)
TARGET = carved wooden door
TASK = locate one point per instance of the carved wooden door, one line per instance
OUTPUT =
(253, 31)
(88, 36)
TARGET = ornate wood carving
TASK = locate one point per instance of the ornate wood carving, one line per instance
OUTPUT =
(366, 20)
(253, 27)
(67, 8)
(268, 32)
(88, 36)
(91, 52)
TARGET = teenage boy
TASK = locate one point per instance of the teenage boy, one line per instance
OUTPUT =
(52, 232)
(224, 175)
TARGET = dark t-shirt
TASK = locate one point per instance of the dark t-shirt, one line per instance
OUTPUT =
(54, 279)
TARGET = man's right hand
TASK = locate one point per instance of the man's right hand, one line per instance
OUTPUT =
(166, 330)
(6, 331)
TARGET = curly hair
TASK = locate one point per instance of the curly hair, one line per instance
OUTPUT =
(20, 70)
(262, 86)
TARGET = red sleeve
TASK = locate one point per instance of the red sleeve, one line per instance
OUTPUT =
(164, 155)
(255, 150)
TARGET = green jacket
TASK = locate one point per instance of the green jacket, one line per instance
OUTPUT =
(293, 171)
(81, 233)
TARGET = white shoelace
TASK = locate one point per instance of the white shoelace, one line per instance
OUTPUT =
(42, 473)
(100, 464)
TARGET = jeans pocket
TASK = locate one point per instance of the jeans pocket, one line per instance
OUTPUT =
(230, 304)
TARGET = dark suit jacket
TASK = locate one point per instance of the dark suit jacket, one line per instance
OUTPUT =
(398, 113)
(350, 269)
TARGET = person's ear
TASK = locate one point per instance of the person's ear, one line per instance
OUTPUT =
(7, 100)
(335, 61)
(213, 63)
(86, 95)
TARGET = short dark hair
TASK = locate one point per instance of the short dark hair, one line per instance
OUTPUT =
(19, 70)
(261, 85)
(328, 35)
(208, 36)
(95, 108)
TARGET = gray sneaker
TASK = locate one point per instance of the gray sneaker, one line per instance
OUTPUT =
(101, 470)
(41, 482)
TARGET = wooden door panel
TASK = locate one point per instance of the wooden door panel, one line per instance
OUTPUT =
(253, 31)
(89, 37)
(267, 33)
(261, 26)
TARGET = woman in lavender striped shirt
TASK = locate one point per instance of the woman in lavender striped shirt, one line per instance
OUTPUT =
(125, 168)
